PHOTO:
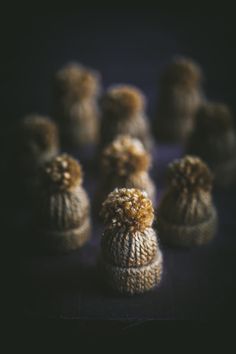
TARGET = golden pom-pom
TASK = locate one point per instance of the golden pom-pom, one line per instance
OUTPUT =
(213, 117)
(125, 156)
(189, 174)
(62, 173)
(76, 81)
(182, 71)
(122, 101)
(39, 129)
(129, 208)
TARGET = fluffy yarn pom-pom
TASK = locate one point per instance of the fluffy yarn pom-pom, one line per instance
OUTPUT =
(122, 101)
(124, 156)
(182, 71)
(213, 117)
(62, 173)
(189, 174)
(129, 208)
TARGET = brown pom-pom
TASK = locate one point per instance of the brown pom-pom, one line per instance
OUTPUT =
(189, 174)
(182, 71)
(75, 81)
(125, 156)
(122, 101)
(213, 117)
(62, 173)
(40, 130)
(129, 208)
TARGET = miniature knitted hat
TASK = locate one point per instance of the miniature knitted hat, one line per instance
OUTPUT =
(123, 112)
(180, 96)
(62, 212)
(186, 214)
(131, 258)
(214, 140)
(125, 163)
(38, 141)
(76, 89)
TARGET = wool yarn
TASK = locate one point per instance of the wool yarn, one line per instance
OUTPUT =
(62, 211)
(76, 90)
(180, 94)
(214, 140)
(186, 214)
(130, 257)
(123, 112)
(125, 163)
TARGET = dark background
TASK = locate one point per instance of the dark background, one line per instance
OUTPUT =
(126, 45)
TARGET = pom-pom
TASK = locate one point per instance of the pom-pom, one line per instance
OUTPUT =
(39, 130)
(122, 101)
(213, 117)
(182, 71)
(125, 156)
(75, 81)
(189, 174)
(129, 208)
(62, 173)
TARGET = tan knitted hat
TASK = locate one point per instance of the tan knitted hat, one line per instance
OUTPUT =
(125, 163)
(62, 211)
(123, 112)
(38, 141)
(180, 95)
(131, 258)
(76, 89)
(186, 215)
(214, 140)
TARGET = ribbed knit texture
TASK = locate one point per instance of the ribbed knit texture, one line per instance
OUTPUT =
(130, 255)
(62, 210)
(186, 215)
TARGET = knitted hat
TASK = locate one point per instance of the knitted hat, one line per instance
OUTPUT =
(125, 163)
(62, 209)
(186, 215)
(123, 112)
(37, 141)
(131, 259)
(214, 140)
(76, 89)
(180, 95)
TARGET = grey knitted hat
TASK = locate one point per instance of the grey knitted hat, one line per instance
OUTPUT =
(62, 211)
(130, 257)
(180, 95)
(125, 163)
(76, 90)
(123, 112)
(186, 214)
